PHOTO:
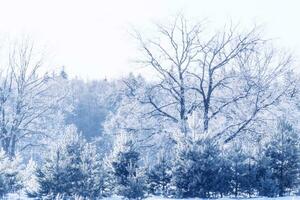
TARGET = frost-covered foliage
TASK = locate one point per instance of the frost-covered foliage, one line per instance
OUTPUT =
(213, 106)
(30, 98)
(196, 169)
(280, 173)
(29, 178)
(126, 170)
(10, 179)
(159, 177)
(243, 170)
(219, 118)
(130, 116)
(203, 169)
(72, 168)
(92, 101)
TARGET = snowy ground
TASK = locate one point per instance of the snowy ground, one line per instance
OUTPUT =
(280, 198)
(160, 198)
(22, 197)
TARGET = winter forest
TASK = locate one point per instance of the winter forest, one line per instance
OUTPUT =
(216, 117)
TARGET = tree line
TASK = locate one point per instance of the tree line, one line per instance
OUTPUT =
(219, 118)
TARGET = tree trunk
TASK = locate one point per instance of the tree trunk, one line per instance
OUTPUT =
(205, 116)
(12, 146)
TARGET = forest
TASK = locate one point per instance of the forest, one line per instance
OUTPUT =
(218, 117)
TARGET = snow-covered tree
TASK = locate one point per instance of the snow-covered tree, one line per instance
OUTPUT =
(172, 55)
(92, 101)
(281, 161)
(10, 178)
(129, 119)
(93, 173)
(224, 183)
(29, 179)
(159, 177)
(29, 98)
(127, 172)
(196, 169)
(237, 158)
(231, 78)
(72, 168)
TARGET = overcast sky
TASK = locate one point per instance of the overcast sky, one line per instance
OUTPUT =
(90, 38)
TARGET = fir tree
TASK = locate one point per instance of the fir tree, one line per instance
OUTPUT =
(127, 174)
(238, 160)
(93, 172)
(29, 178)
(224, 176)
(10, 180)
(282, 159)
(73, 169)
(196, 169)
(159, 177)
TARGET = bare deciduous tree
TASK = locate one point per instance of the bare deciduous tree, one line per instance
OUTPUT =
(171, 57)
(25, 98)
(230, 78)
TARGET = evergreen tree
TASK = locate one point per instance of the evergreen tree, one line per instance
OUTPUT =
(249, 178)
(282, 161)
(238, 160)
(127, 172)
(224, 177)
(10, 180)
(74, 168)
(93, 173)
(29, 178)
(159, 178)
(134, 189)
(196, 169)
(267, 185)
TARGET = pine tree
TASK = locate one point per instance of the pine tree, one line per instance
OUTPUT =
(52, 178)
(74, 168)
(249, 178)
(93, 172)
(29, 178)
(267, 185)
(224, 176)
(238, 160)
(159, 177)
(282, 160)
(10, 180)
(127, 172)
(196, 169)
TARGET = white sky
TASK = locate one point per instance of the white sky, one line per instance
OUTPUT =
(90, 38)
